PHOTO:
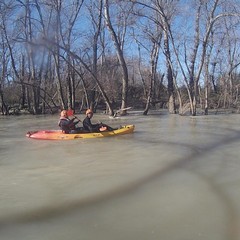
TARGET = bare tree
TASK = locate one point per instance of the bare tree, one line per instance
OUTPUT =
(148, 37)
(3, 71)
(166, 10)
(119, 49)
(207, 15)
(72, 12)
(233, 62)
(96, 21)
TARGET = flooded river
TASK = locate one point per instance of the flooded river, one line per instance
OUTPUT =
(174, 178)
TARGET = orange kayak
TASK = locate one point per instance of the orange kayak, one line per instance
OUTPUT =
(59, 135)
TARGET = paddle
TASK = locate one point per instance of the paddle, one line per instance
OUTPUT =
(70, 112)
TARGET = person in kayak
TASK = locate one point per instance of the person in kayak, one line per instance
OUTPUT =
(68, 125)
(98, 127)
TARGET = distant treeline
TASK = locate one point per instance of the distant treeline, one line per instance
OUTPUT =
(110, 55)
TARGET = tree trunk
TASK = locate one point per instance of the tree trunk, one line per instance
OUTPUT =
(171, 95)
(154, 61)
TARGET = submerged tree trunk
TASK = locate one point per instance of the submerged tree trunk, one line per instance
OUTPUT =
(23, 88)
(154, 61)
(171, 95)
(4, 108)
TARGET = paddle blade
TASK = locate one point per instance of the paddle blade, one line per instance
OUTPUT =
(70, 112)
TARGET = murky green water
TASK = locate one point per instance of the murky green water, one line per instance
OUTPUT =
(175, 178)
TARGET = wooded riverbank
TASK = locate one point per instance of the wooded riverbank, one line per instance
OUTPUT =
(109, 55)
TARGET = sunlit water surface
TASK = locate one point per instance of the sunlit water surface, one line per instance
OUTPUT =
(174, 178)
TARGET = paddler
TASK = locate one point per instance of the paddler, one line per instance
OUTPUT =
(68, 125)
(98, 127)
